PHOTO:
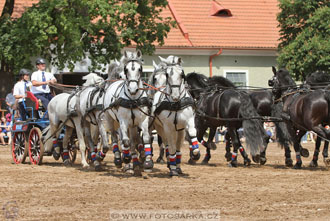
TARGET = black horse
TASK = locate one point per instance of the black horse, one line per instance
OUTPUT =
(226, 107)
(318, 80)
(303, 110)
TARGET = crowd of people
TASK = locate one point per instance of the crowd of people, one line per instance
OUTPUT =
(15, 100)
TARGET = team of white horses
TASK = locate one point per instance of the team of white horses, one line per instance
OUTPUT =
(122, 107)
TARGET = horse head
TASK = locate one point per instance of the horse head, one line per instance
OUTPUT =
(175, 79)
(318, 79)
(158, 77)
(133, 70)
(92, 79)
(281, 81)
(116, 71)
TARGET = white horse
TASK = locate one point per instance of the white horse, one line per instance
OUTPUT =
(174, 114)
(122, 105)
(61, 111)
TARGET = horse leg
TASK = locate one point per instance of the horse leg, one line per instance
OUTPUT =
(297, 148)
(228, 146)
(125, 141)
(172, 153)
(263, 158)
(314, 163)
(247, 161)
(65, 154)
(194, 152)
(210, 145)
(236, 145)
(325, 153)
(148, 163)
(82, 145)
(180, 139)
(161, 149)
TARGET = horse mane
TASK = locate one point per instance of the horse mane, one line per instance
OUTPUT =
(285, 77)
(114, 69)
(129, 55)
(92, 79)
(221, 81)
(318, 78)
(200, 78)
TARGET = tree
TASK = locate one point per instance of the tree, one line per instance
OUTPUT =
(305, 36)
(66, 31)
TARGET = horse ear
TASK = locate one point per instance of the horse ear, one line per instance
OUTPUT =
(274, 70)
(180, 61)
(138, 54)
(126, 54)
(117, 62)
(155, 65)
(162, 59)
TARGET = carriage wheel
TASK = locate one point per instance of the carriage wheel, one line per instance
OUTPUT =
(36, 147)
(19, 147)
(72, 147)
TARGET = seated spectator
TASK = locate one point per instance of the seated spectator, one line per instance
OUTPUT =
(5, 131)
(11, 101)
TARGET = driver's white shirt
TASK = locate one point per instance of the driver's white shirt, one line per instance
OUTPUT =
(37, 76)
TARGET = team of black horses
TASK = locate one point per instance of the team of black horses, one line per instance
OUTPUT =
(295, 109)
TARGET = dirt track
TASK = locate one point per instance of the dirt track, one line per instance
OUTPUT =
(270, 192)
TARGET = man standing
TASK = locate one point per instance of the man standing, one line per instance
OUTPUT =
(40, 80)
(20, 89)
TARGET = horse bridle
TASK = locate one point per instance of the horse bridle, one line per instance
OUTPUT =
(133, 68)
(175, 85)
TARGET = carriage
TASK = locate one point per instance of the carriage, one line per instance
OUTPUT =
(28, 135)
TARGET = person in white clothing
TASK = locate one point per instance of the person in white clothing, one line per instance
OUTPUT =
(40, 80)
(20, 89)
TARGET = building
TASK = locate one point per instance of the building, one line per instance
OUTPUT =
(236, 39)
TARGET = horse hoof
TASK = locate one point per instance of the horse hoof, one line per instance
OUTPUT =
(118, 162)
(56, 155)
(97, 166)
(173, 172)
(263, 160)
(205, 162)
(127, 159)
(297, 166)
(233, 164)
(179, 171)
(256, 158)
(191, 162)
(313, 163)
(228, 157)
(304, 152)
(288, 162)
(160, 160)
(196, 155)
(327, 162)
(148, 165)
(212, 146)
(247, 162)
(67, 163)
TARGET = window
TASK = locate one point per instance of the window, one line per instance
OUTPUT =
(239, 78)
(146, 74)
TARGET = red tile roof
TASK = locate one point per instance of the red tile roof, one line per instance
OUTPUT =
(252, 24)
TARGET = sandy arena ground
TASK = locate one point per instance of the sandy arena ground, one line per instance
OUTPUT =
(270, 192)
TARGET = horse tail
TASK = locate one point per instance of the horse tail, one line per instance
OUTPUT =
(283, 136)
(46, 134)
(253, 128)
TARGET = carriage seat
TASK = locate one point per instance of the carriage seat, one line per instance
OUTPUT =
(33, 105)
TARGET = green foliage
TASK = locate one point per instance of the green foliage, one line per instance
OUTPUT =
(55, 29)
(305, 36)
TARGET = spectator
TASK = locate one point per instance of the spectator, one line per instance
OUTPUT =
(5, 131)
(20, 89)
(220, 134)
(11, 101)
